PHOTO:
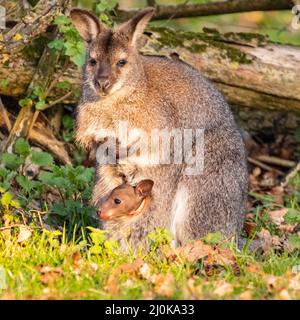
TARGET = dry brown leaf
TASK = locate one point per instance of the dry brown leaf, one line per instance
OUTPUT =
(256, 172)
(112, 283)
(223, 289)
(266, 238)
(247, 295)
(287, 228)
(277, 216)
(284, 295)
(277, 194)
(145, 271)
(165, 285)
(192, 252)
(49, 274)
(24, 234)
(250, 228)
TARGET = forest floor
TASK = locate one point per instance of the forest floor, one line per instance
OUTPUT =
(50, 247)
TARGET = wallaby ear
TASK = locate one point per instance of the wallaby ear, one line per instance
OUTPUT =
(135, 27)
(87, 24)
(143, 188)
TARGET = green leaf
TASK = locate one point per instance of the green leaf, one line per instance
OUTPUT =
(57, 44)
(40, 105)
(98, 236)
(50, 179)
(62, 20)
(294, 240)
(292, 216)
(12, 161)
(22, 147)
(4, 83)
(42, 158)
(15, 204)
(6, 199)
(25, 102)
(65, 85)
(39, 92)
(213, 238)
(27, 184)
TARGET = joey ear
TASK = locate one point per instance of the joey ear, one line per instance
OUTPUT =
(87, 24)
(135, 27)
(144, 187)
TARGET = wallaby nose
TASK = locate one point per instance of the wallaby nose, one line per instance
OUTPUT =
(99, 213)
(104, 84)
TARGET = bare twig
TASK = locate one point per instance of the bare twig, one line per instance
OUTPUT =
(276, 161)
(5, 116)
(61, 99)
(264, 166)
(291, 175)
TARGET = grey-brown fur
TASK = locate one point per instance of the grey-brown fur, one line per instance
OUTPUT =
(155, 92)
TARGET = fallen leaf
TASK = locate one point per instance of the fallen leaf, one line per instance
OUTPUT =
(284, 295)
(192, 252)
(145, 271)
(247, 295)
(277, 216)
(223, 289)
(49, 274)
(165, 285)
(24, 234)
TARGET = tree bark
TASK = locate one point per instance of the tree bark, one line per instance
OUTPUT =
(207, 9)
(249, 72)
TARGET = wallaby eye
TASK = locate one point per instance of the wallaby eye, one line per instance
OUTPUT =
(92, 62)
(121, 62)
(117, 201)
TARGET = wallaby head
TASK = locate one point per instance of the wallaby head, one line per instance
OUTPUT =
(126, 201)
(112, 60)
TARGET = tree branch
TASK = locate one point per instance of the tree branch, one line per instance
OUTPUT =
(208, 9)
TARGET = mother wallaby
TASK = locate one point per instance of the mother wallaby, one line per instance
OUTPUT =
(159, 93)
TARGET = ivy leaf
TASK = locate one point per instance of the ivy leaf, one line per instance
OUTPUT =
(42, 158)
(22, 147)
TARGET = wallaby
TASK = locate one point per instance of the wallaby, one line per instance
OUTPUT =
(150, 92)
(126, 201)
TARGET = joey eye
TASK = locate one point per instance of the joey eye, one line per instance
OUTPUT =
(117, 201)
(92, 62)
(121, 63)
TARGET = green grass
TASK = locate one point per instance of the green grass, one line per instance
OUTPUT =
(50, 247)
(46, 268)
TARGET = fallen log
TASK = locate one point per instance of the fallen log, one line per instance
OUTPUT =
(251, 72)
